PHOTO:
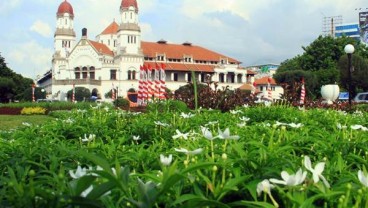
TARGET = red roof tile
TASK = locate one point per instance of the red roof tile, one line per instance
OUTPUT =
(102, 48)
(184, 67)
(111, 29)
(176, 51)
(65, 7)
(128, 3)
(264, 81)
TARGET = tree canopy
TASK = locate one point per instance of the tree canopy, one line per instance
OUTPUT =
(322, 59)
(12, 85)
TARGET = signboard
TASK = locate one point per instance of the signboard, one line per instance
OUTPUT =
(343, 96)
(363, 24)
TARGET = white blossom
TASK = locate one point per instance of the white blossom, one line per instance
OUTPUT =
(194, 152)
(80, 172)
(184, 115)
(88, 139)
(166, 160)
(316, 171)
(363, 178)
(291, 180)
(179, 135)
(226, 134)
(264, 186)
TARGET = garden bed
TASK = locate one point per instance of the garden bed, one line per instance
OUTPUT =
(10, 110)
(103, 157)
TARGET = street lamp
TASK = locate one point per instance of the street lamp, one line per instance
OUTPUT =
(349, 50)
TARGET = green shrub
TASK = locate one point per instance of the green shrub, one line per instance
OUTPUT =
(121, 103)
(168, 106)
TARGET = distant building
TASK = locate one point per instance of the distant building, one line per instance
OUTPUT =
(262, 86)
(114, 58)
(348, 29)
(264, 70)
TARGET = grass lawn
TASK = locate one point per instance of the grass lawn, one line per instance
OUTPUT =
(8, 122)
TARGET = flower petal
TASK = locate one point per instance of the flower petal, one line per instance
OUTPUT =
(307, 163)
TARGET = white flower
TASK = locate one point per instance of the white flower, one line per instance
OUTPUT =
(291, 180)
(80, 172)
(226, 134)
(357, 127)
(339, 126)
(194, 152)
(234, 112)
(363, 178)
(207, 133)
(241, 124)
(136, 138)
(264, 186)
(293, 125)
(166, 160)
(211, 123)
(158, 123)
(90, 138)
(26, 124)
(184, 115)
(179, 134)
(316, 171)
(280, 124)
(244, 118)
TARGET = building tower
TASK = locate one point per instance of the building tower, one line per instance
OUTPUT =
(64, 38)
(129, 32)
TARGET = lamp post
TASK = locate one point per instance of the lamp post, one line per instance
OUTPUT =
(349, 50)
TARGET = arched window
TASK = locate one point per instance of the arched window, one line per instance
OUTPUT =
(239, 78)
(133, 75)
(129, 75)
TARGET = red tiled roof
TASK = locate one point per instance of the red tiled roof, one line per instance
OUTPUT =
(65, 7)
(264, 81)
(251, 72)
(128, 3)
(111, 29)
(176, 51)
(102, 48)
(184, 67)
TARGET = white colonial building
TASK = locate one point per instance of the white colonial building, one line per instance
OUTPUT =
(115, 58)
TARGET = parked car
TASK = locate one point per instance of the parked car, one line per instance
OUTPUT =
(361, 97)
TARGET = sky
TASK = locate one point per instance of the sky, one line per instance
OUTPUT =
(250, 31)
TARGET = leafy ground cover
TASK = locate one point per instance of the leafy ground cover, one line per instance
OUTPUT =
(8, 122)
(272, 156)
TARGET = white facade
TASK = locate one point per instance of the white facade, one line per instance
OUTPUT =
(115, 58)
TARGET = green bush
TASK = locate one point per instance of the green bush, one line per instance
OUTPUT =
(168, 106)
(121, 103)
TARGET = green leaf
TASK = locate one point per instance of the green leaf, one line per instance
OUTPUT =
(81, 184)
(101, 189)
(97, 160)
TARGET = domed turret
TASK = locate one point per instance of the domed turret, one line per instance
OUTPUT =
(65, 7)
(125, 4)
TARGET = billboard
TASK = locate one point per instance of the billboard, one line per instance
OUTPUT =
(363, 24)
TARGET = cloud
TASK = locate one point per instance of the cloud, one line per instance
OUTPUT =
(7, 6)
(41, 28)
(29, 59)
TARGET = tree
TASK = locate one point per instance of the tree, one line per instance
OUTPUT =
(359, 75)
(81, 94)
(6, 89)
(20, 83)
(292, 78)
(26, 95)
(321, 58)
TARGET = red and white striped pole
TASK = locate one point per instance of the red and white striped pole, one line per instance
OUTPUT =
(73, 95)
(33, 93)
(163, 82)
(302, 93)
